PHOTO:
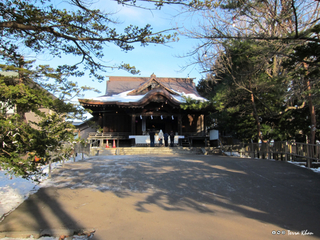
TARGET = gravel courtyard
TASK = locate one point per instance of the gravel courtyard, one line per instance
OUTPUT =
(173, 197)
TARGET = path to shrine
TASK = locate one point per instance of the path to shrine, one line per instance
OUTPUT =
(174, 197)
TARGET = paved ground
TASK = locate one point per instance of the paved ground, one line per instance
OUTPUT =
(166, 197)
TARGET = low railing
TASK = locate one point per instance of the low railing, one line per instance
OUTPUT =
(69, 150)
(284, 151)
(80, 148)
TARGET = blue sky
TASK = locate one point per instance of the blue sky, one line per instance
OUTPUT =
(161, 60)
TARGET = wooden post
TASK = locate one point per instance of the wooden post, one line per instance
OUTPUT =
(252, 150)
(285, 153)
(117, 147)
(309, 159)
(179, 124)
(133, 124)
(309, 163)
(246, 150)
(264, 150)
(290, 151)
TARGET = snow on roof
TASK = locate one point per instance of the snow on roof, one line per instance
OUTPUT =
(124, 97)
(182, 97)
(121, 97)
(116, 85)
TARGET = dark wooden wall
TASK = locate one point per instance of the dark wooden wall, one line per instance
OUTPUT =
(116, 123)
(193, 123)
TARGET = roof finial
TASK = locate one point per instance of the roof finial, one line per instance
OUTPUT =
(153, 75)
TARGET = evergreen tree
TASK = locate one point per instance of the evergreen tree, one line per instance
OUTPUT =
(304, 92)
(43, 27)
(286, 26)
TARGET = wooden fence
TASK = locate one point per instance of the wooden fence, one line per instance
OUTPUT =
(82, 149)
(303, 153)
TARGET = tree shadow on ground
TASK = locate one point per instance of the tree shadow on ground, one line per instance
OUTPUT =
(39, 215)
(268, 191)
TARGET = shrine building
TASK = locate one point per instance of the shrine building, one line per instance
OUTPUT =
(132, 106)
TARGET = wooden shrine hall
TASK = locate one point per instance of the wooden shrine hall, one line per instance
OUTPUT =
(132, 106)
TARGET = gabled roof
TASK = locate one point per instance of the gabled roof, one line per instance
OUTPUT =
(117, 85)
(151, 84)
(138, 91)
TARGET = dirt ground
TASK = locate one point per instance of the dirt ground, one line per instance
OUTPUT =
(173, 197)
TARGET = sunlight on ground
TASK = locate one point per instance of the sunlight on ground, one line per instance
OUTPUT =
(226, 169)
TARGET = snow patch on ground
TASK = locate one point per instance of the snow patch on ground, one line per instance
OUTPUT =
(236, 154)
(317, 170)
(14, 190)
(47, 238)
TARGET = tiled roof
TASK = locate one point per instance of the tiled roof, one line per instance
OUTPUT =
(117, 85)
(137, 91)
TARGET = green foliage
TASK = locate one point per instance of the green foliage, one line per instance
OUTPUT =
(42, 27)
(21, 140)
(15, 143)
(247, 89)
(26, 91)
(303, 63)
(280, 96)
(22, 144)
(263, 60)
(308, 54)
(53, 132)
(195, 104)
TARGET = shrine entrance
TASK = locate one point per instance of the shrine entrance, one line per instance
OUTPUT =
(166, 123)
(143, 124)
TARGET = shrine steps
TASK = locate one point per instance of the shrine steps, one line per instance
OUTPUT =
(148, 151)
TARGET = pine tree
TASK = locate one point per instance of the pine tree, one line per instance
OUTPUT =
(42, 26)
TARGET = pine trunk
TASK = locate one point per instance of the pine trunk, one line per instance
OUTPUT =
(312, 110)
(313, 121)
(255, 114)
